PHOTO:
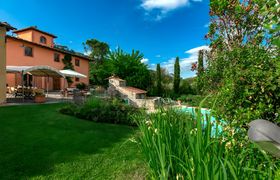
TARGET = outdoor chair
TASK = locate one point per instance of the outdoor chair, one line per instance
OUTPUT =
(18, 92)
(68, 91)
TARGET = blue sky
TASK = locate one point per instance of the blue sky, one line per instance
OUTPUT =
(160, 29)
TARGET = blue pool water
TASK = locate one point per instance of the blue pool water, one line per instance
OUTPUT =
(206, 113)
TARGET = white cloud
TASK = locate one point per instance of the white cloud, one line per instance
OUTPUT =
(144, 60)
(185, 63)
(194, 51)
(165, 5)
(87, 53)
(158, 56)
(158, 9)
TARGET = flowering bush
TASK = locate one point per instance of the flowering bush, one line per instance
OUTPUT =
(243, 64)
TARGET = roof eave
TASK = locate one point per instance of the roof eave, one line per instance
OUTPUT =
(7, 26)
(35, 29)
(54, 49)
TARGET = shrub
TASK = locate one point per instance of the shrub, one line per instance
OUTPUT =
(68, 109)
(176, 146)
(251, 87)
(100, 110)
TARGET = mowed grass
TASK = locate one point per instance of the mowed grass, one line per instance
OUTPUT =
(37, 142)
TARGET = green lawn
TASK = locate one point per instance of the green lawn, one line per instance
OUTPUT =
(37, 142)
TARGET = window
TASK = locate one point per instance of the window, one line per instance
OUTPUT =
(28, 51)
(56, 57)
(77, 79)
(77, 62)
(43, 40)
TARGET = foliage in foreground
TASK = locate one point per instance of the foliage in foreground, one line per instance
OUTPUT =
(243, 63)
(178, 147)
(251, 89)
(100, 110)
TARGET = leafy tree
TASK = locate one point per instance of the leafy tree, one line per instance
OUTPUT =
(236, 23)
(186, 86)
(97, 50)
(99, 68)
(176, 82)
(159, 85)
(271, 23)
(100, 72)
(67, 61)
(129, 67)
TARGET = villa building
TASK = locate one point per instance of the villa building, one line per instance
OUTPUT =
(33, 47)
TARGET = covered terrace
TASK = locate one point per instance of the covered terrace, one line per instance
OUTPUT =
(27, 90)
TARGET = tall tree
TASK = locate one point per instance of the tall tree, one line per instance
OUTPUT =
(99, 69)
(200, 70)
(97, 50)
(200, 66)
(176, 81)
(159, 86)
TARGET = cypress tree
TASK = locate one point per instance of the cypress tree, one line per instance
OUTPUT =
(176, 81)
(200, 66)
(200, 71)
(158, 77)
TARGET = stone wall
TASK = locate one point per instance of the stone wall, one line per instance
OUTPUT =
(117, 89)
(149, 103)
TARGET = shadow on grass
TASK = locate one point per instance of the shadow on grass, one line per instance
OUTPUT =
(35, 138)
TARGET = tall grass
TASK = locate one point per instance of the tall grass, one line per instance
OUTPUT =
(177, 146)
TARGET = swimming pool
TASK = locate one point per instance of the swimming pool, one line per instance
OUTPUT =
(206, 113)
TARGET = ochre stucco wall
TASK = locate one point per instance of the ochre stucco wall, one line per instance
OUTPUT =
(41, 56)
(37, 35)
(27, 35)
(2, 65)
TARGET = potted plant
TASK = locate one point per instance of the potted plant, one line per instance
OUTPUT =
(39, 97)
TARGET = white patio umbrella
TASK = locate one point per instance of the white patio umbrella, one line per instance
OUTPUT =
(71, 73)
(41, 71)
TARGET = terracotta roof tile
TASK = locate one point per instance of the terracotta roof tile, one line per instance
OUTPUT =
(35, 29)
(116, 77)
(135, 90)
